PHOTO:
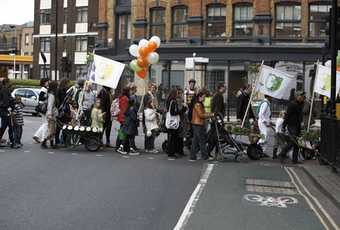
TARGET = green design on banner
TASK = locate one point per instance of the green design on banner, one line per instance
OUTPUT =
(273, 82)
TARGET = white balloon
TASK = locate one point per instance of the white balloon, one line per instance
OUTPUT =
(142, 43)
(153, 58)
(157, 40)
(133, 50)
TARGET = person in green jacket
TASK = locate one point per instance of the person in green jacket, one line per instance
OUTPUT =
(207, 101)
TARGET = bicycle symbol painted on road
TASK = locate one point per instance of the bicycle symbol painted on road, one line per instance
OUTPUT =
(268, 201)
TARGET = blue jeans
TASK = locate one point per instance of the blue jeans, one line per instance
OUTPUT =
(199, 142)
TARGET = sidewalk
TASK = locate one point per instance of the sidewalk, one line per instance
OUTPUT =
(326, 180)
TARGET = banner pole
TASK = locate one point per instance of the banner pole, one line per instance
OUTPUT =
(251, 96)
(312, 99)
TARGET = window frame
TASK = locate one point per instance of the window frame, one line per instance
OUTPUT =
(81, 39)
(45, 17)
(160, 24)
(42, 69)
(288, 4)
(80, 12)
(80, 71)
(43, 43)
(248, 21)
(210, 20)
(184, 24)
(316, 21)
(65, 16)
(27, 39)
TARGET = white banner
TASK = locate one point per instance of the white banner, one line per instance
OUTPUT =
(322, 84)
(275, 83)
(105, 72)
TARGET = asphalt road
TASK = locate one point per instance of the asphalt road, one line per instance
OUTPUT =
(76, 190)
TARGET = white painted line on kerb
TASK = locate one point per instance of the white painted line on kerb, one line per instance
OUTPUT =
(74, 154)
(50, 152)
(27, 151)
(190, 206)
(292, 176)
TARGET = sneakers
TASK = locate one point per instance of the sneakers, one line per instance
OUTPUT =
(121, 150)
(133, 152)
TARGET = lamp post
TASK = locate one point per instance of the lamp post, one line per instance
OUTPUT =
(194, 69)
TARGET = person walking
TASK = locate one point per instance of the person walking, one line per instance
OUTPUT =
(173, 134)
(264, 122)
(151, 125)
(184, 124)
(52, 113)
(190, 92)
(87, 99)
(42, 131)
(292, 123)
(17, 121)
(199, 142)
(123, 102)
(217, 107)
(6, 102)
(243, 98)
(133, 96)
(106, 99)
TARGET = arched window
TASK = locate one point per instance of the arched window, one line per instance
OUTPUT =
(179, 22)
(243, 21)
(216, 21)
(318, 14)
(157, 22)
(288, 21)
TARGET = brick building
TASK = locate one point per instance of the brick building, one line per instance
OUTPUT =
(233, 34)
(75, 22)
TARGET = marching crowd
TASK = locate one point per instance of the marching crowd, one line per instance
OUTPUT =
(182, 114)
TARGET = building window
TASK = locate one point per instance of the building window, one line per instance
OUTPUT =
(81, 71)
(179, 22)
(288, 21)
(45, 44)
(213, 79)
(44, 71)
(157, 22)
(45, 17)
(81, 44)
(243, 21)
(27, 39)
(318, 22)
(82, 15)
(65, 16)
(216, 23)
(124, 27)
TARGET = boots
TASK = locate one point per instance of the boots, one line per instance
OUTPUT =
(43, 144)
(275, 153)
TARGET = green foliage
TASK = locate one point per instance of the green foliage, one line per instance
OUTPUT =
(89, 58)
(25, 83)
(312, 135)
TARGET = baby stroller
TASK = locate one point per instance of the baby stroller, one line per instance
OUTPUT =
(227, 145)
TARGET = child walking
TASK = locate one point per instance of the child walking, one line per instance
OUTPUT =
(18, 122)
(151, 125)
(279, 136)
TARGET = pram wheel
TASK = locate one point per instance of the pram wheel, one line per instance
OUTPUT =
(254, 151)
(92, 144)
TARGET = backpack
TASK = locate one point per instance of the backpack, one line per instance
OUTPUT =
(259, 107)
(115, 107)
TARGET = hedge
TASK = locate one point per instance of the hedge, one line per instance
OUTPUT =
(25, 83)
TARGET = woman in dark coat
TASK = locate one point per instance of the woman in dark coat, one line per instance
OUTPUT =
(174, 134)
(242, 103)
(130, 128)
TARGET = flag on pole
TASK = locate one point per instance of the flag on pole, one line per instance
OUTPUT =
(106, 72)
(322, 84)
(275, 83)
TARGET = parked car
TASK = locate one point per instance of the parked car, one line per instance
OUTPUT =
(29, 97)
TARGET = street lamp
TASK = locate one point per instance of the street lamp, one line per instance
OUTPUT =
(194, 69)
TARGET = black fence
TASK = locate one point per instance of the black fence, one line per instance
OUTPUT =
(330, 141)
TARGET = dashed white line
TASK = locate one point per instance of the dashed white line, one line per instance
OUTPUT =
(150, 158)
(99, 155)
(27, 151)
(50, 152)
(74, 154)
(2, 151)
(189, 208)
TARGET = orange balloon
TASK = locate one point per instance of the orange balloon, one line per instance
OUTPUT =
(142, 74)
(152, 46)
(143, 52)
(143, 62)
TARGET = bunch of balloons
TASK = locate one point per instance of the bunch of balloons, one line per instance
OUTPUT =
(145, 54)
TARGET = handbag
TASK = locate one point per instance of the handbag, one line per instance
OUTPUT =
(41, 108)
(171, 122)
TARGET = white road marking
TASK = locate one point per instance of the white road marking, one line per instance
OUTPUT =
(2, 151)
(99, 155)
(298, 184)
(74, 154)
(150, 158)
(126, 157)
(27, 151)
(50, 152)
(269, 201)
(190, 206)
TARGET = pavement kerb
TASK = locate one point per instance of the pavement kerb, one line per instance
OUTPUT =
(328, 194)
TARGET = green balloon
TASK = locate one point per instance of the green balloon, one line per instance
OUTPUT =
(134, 65)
